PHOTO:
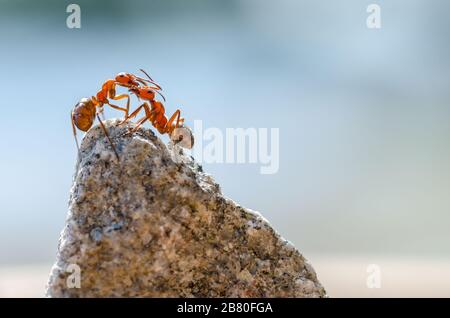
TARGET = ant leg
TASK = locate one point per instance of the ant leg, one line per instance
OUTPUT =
(119, 97)
(107, 136)
(148, 115)
(169, 126)
(133, 114)
(75, 132)
(117, 107)
(101, 112)
(139, 123)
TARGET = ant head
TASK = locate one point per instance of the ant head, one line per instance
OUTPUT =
(143, 92)
(126, 79)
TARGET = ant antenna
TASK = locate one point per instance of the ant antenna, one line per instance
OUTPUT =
(161, 96)
(146, 74)
(151, 79)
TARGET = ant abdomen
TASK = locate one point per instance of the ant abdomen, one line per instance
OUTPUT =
(84, 114)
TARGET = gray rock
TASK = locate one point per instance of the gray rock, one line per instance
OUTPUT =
(155, 225)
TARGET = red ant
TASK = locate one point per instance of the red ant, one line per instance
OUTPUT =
(85, 111)
(157, 117)
(122, 79)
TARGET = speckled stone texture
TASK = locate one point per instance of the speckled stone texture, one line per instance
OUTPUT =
(156, 225)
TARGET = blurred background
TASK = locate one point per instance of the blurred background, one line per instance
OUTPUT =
(363, 114)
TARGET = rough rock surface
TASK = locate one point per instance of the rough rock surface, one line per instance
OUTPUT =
(155, 225)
